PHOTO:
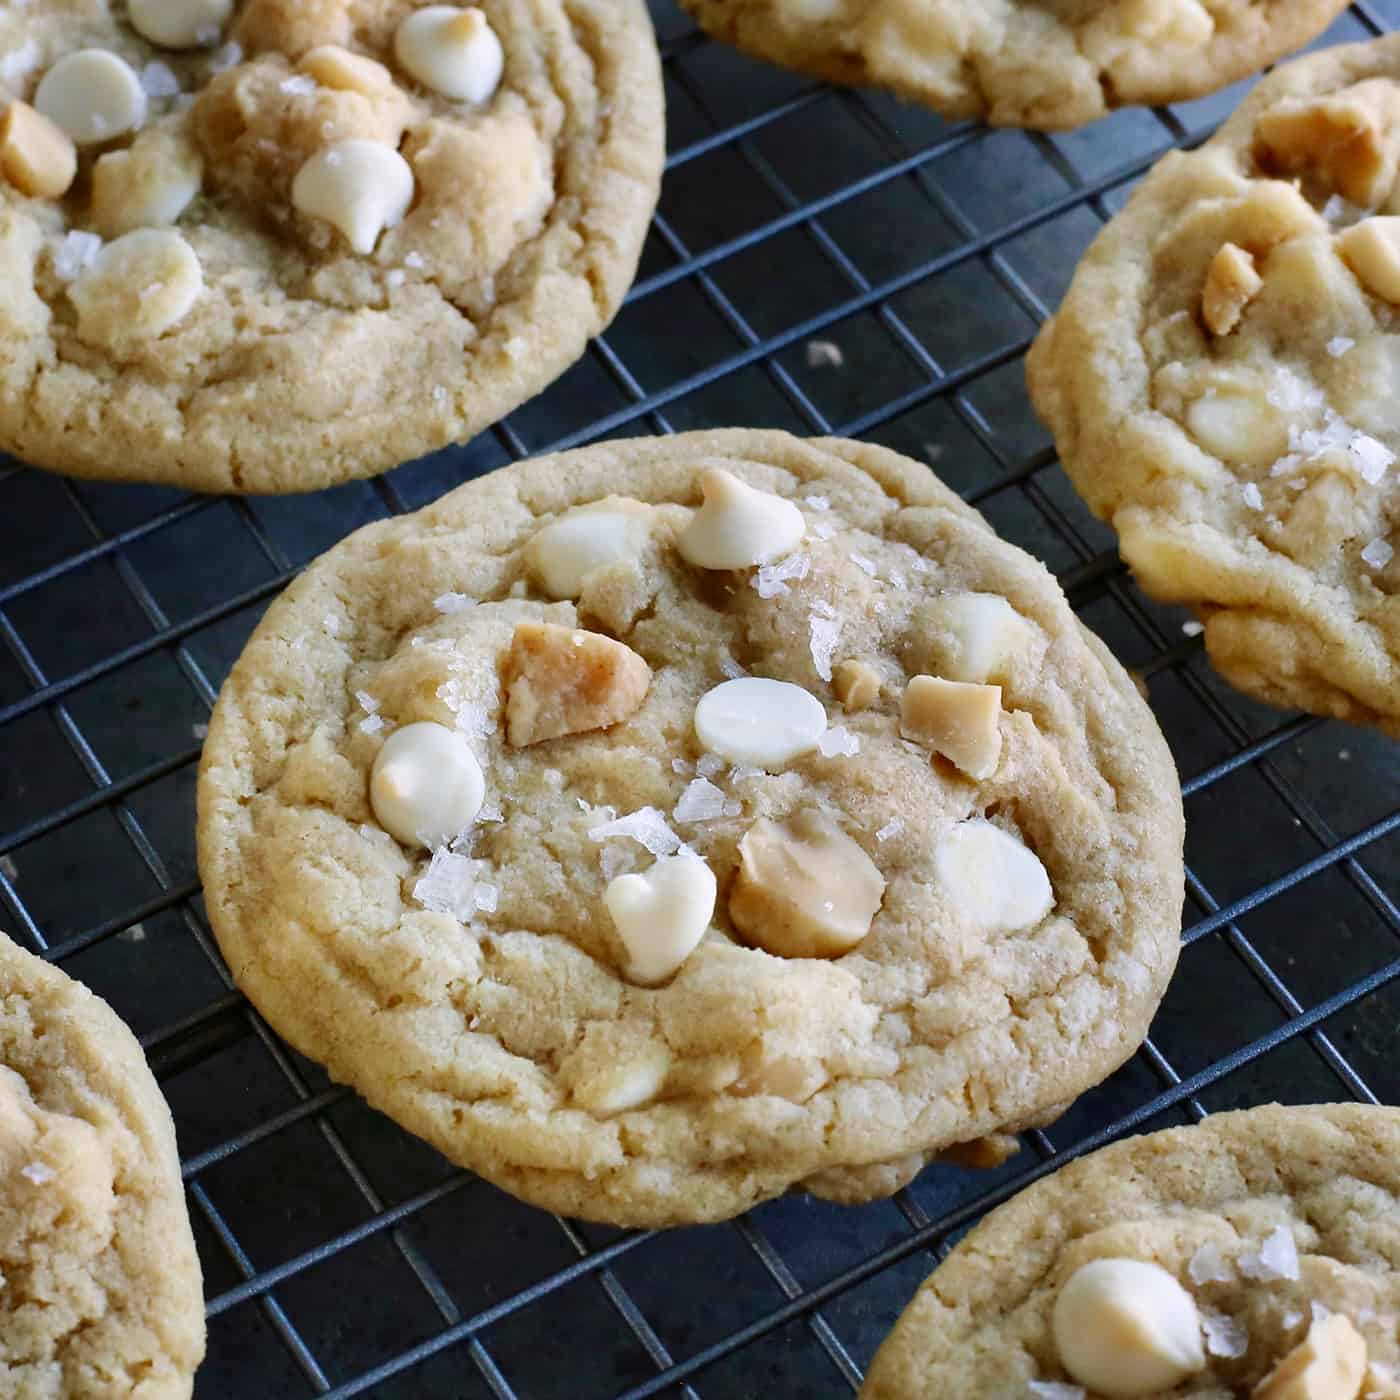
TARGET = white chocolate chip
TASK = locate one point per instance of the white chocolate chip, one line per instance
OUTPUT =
(804, 889)
(661, 914)
(359, 187)
(609, 1074)
(737, 526)
(1237, 428)
(992, 880)
(137, 288)
(426, 786)
(36, 156)
(986, 631)
(563, 680)
(179, 24)
(1372, 250)
(1328, 1364)
(956, 719)
(761, 722)
(1127, 1328)
(92, 95)
(453, 51)
(564, 553)
(342, 71)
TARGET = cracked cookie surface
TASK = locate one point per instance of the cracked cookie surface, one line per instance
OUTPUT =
(488, 994)
(1048, 64)
(294, 326)
(1220, 380)
(1271, 1220)
(100, 1291)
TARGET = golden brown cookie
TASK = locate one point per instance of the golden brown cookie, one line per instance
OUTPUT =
(538, 817)
(271, 245)
(1254, 1254)
(100, 1291)
(1036, 63)
(1220, 380)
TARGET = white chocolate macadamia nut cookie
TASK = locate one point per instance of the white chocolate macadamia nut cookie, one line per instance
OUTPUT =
(1047, 64)
(1221, 382)
(1250, 1256)
(407, 220)
(99, 1279)
(705, 931)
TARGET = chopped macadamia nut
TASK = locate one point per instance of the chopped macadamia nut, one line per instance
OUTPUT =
(566, 552)
(179, 24)
(562, 680)
(453, 51)
(1231, 284)
(426, 786)
(93, 96)
(661, 914)
(338, 68)
(148, 185)
(36, 156)
(359, 187)
(613, 1069)
(955, 718)
(136, 288)
(1349, 140)
(992, 881)
(804, 888)
(1127, 1328)
(737, 526)
(1372, 250)
(765, 723)
(857, 685)
(1328, 1364)
(984, 634)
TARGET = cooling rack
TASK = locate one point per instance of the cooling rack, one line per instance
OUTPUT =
(823, 261)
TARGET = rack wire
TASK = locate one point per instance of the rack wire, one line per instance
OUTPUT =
(825, 261)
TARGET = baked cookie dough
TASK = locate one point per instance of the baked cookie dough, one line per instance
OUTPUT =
(1220, 380)
(271, 245)
(1253, 1255)
(100, 1292)
(651, 856)
(1048, 64)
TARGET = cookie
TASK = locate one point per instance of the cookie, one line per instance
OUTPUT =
(100, 1291)
(273, 245)
(1219, 380)
(651, 855)
(1047, 64)
(1255, 1249)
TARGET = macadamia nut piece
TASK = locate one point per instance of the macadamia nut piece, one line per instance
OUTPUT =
(1231, 284)
(1328, 1364)
(36, 156)
(956, 719)
(1372, 250)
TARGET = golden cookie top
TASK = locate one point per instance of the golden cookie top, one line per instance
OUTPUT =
(691, 817)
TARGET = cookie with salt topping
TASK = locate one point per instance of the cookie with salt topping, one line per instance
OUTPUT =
(267, 246)
(1250, 1255)
(100, 1291)
(1044, 64)
(1220, 380)
(665, 825)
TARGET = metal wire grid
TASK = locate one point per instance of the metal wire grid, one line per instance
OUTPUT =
(342, 1258)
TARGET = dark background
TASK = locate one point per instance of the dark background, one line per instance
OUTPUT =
(340, 1255)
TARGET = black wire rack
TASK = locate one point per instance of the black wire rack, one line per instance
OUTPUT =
(824, 261)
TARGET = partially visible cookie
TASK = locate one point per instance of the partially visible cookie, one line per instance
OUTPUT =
(1256, 1254)
(271, 245)
(664, 825)
(1221, 377)
(1047, 64)
(100, 1291)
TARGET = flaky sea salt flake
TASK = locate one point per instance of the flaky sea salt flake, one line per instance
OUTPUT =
(702, 801)
(864, 564)
(1055, 1390)
(453, 602)
(817, 502)
(1224, 1335)
(709, 765)
(1251, 495)
(1208, 1265)
(825, 633)
(1370, 457)
(646, 826)
(731, 668)
(486, 898)
(159, 80)
(1378, 554)
(38, 1173)
(744, 772)
(1277, 1258)
(838, 742)
(74, 254)
(683, 766)
(771, 579)
(890, 830)
(823, 530)
(1339, 345)
(298, 85)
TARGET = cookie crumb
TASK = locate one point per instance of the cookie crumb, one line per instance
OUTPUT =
(1193, 629)
(9, 869)
(1378, 554)
(200, 731)
(135, 934)
(824, 354)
